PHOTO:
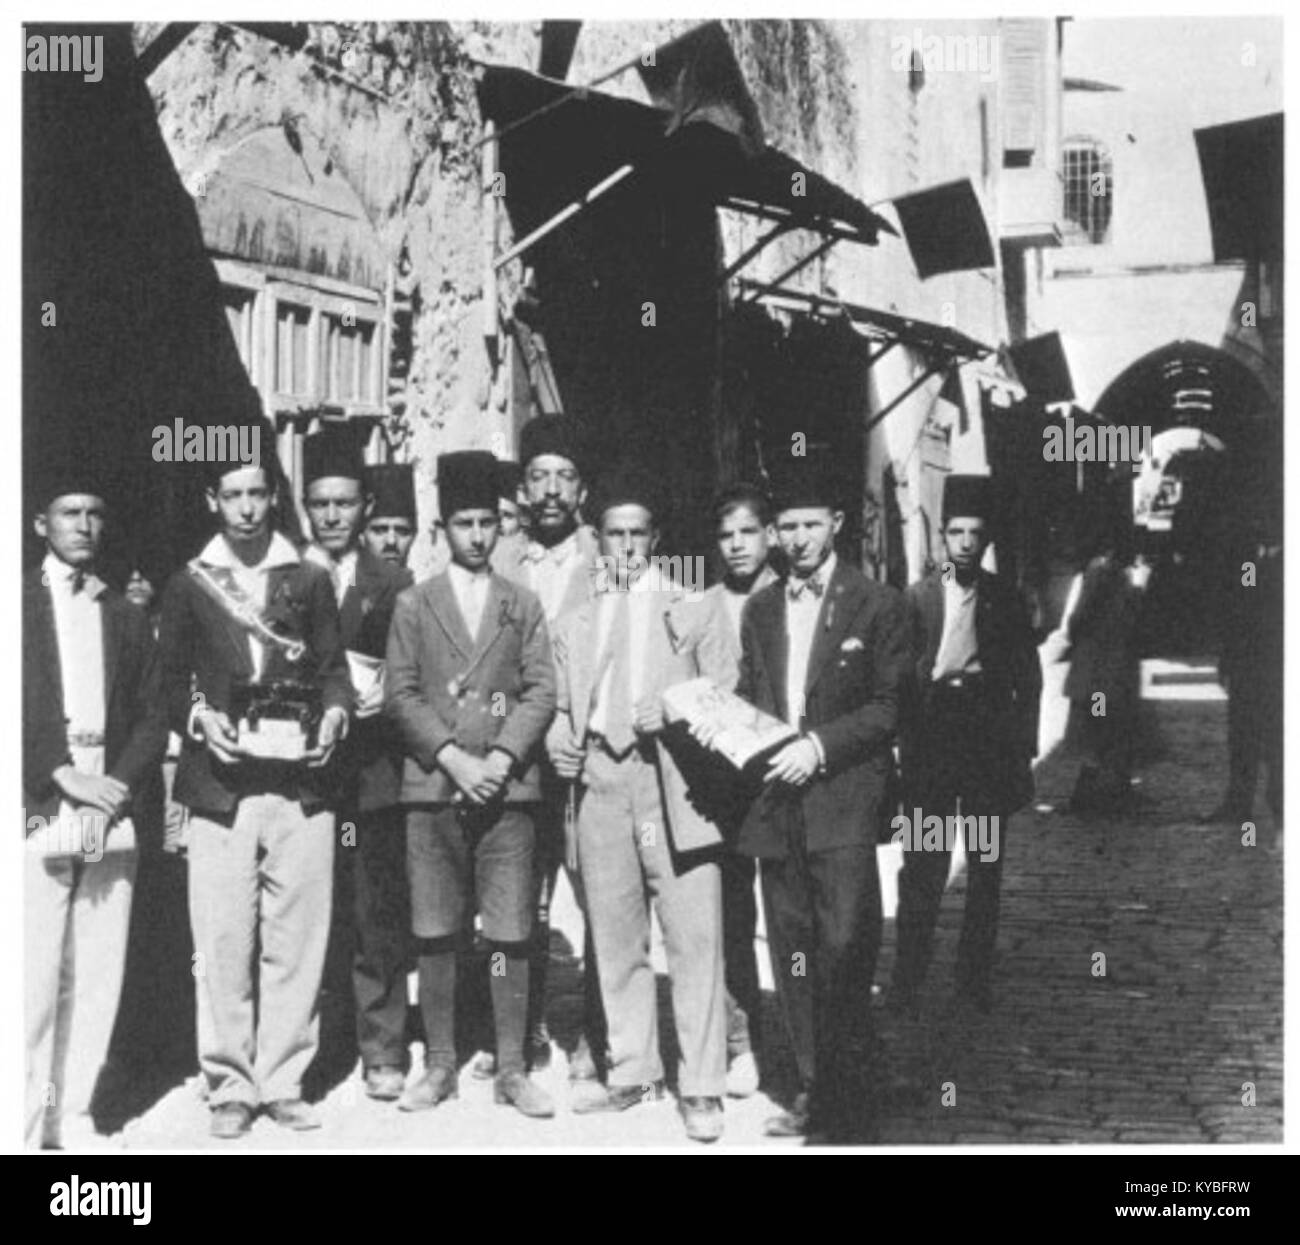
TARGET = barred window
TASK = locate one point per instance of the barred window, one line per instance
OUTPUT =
(1089, 190)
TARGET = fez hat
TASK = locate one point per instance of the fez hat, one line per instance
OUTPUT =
(333, 451)
(392, 485)
(630, 484)
(814, 480)
(510, 474)
(467, 480)
(553, 434)
(215, 469)
(67, 469)
(967, 497)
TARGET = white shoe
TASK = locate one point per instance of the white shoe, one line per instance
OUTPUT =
(742, 1076)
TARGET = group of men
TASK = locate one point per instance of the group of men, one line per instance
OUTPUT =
(475, 732)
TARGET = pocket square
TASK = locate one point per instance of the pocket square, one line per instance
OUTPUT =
(851, 645)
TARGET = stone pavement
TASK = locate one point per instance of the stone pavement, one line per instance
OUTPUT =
(1180, 1041)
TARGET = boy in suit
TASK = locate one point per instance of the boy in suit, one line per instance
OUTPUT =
(471, 690)
(261, 848)
(641, 836)
(371, 922)
(93, 741)
(745, 535)
(825, 650)
(969, 735)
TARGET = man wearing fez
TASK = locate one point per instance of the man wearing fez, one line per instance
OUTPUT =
(556, 560)
(968, 736)
(825, 650)
(641, 835)
(244, 617)
(338, 502)
(93, 739)
(389, 532)
(509, 504)
(471, 689)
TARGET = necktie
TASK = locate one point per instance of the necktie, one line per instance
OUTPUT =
(78, 581)
(620, 733)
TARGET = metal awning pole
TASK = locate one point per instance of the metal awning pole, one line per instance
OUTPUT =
(760, 289)
(564, 214)
(931, 370)
(770, 236)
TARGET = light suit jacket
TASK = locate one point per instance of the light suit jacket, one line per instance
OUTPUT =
(685, 640)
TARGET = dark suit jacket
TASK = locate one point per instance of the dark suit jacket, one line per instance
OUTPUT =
(508, 697)
(851, 696)
(135, 731)
(1012, 682)
(204, 650)
(371, 757)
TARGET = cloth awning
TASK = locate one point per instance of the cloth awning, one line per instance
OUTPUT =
(1241, 166)
(563, 139)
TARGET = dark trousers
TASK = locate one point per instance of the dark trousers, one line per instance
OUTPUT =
(823, 926)
(920, 892)
(1254, 737)
(383, 954)
(739, 924)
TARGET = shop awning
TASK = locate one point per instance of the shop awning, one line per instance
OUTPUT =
(1241, 166)
(943, 348)
(572, 144)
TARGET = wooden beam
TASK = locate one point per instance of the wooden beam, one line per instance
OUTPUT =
(599, 189)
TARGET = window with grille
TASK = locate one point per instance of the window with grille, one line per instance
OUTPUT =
(1089, 191)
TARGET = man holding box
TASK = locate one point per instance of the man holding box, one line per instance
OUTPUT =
(255, 680)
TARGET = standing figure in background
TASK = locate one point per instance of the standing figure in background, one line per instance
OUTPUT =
(556, 560)
(1102, 627)
(369, 938)
(745, 536)
(968, 739)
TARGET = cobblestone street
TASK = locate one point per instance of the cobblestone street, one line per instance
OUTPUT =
(1165, 1048)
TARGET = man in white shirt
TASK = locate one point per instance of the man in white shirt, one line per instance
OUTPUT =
(93, 740)
(250, 612)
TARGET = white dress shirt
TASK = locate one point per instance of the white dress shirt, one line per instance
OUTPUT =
(80, 631)
(252, 580)
(958, 650)
(470, 589)
(645, 604)
(801, 628)
(550, 570)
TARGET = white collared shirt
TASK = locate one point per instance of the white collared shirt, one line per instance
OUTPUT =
(958, 650)
(252, 580)
(79, 627)
(801, 628)
(470, 589)
(549, 571)
(645, 603)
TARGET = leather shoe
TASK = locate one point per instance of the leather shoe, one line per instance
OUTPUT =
(618, 1098)
(436, 1085)
(703, 1118)
(514, 1089)
(385, 1084)
(231, 1120)
(792, 1123)
(293, 1113)
(483, 1067)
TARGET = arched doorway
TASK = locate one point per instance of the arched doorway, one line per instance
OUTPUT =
(1212, 472)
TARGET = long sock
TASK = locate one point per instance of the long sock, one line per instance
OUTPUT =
(438, 1007)
(508, 974)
